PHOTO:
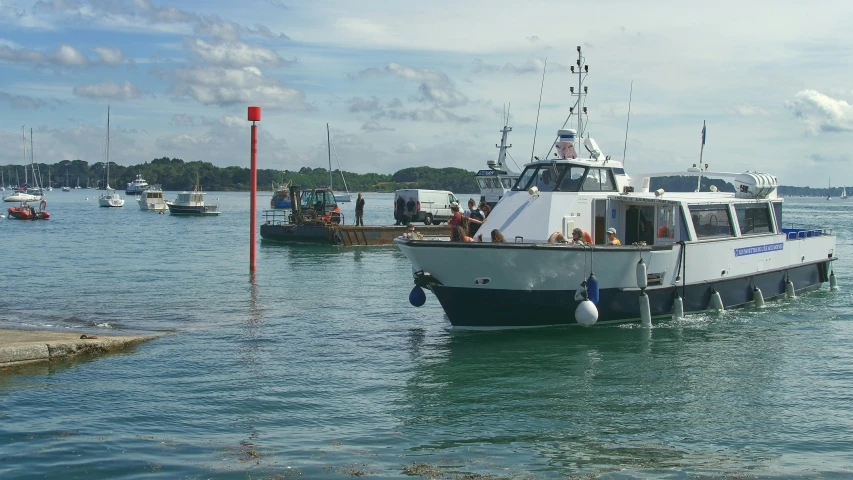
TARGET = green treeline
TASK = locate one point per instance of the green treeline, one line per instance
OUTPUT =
(176, 174)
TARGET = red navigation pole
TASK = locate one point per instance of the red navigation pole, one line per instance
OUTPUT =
(254, 116)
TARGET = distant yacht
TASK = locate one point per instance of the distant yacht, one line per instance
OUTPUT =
(844, 193)
(66, 188)
(137, 186)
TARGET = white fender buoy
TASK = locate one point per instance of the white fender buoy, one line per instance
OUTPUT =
(717, 301)
(586, 314)
(645, 310)
(833, 283)
(757, 297)
(677, 307)
(642, 274)
(789, 289)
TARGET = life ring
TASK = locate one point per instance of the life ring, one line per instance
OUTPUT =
(42, 204)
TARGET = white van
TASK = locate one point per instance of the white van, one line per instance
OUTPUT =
(432, 206)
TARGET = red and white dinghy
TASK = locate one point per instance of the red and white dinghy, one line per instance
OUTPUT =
(27, 212)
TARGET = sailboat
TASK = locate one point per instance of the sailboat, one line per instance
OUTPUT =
(2, 181)
(66, 188)
(111, 198)
(338, 197)
(24, 193)
(829, 191)
(844, 193)
(49, 186)
(78, 183)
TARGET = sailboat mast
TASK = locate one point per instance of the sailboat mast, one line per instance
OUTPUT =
(108, 148)
(33, 160)
(24, 137)
(329, 149)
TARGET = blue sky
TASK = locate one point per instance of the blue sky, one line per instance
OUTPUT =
(425, 83)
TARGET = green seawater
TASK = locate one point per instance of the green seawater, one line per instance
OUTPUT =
(318, 367)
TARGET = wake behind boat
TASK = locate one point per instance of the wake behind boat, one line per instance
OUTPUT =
(683, 252)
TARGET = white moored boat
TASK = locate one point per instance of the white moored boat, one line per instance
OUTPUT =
(152, 200)
(192, 204)
(111, 198)
(137, 186)
(682, 252)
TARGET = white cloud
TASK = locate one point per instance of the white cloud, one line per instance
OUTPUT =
(224, 136)
(746, 110)
(532, 65)
(229, 86)
(406, 148)
(110, 90)
(358, 104)
(109, 55)
(822, 113)
(233, 54)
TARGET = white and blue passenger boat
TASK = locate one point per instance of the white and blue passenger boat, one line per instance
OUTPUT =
(681, 252)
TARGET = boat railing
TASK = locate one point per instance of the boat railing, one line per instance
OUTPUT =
(800, 232)
(285, 217)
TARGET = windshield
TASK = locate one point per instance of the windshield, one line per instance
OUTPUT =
(573, 178)
(550, 178)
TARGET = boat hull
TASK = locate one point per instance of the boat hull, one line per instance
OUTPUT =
(19, 213)
(479, 308)
(344, 235)
(529, 285)
(194, 210)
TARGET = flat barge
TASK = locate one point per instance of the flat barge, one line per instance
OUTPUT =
(316, 218)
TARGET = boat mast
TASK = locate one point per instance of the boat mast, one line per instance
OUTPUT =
(33, 159)
(329, 149)
(503, 146)
(24, 137)
(108, 148)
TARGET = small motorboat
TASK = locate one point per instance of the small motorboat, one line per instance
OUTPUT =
(25, 211)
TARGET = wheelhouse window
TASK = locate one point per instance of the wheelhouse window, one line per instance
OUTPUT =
(507, 182)
(599, 180)
(481, 182)
(666, 222)
(711, 221)
(525, 178)
(753, 218)
(572, 178)
(543, 177)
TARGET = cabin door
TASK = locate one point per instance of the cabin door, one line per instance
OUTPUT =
(600, 222)
(639, 225)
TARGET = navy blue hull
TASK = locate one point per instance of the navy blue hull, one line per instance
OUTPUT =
(480, 308)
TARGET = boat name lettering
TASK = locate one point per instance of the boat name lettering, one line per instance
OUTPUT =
(486, 173)
(739, 252)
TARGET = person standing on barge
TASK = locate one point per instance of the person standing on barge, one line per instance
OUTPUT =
(359, 210)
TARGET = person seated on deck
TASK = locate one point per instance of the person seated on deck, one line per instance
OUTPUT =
(579, 237)
(411, 234)
(557, 237)
(611, 238)
(497, 237)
